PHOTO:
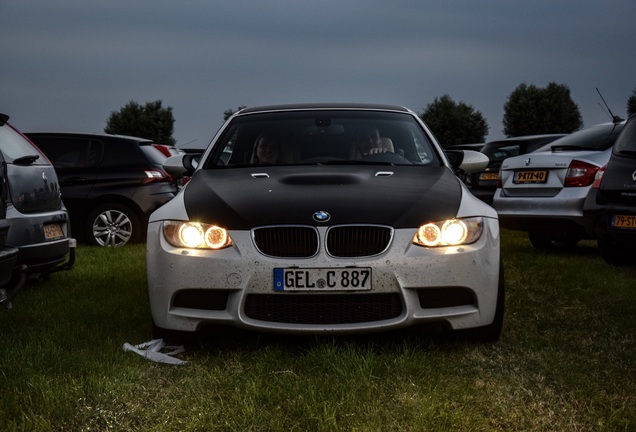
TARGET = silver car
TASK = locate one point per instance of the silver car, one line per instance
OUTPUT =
(325, 219)
(543, 192)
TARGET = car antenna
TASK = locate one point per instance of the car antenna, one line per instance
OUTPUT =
(615, 118)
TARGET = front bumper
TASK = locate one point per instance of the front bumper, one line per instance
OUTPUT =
(455, 286)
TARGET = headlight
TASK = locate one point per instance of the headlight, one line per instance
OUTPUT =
(452, 232)
(196, 235)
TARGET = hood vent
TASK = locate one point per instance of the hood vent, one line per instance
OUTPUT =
(260, 175)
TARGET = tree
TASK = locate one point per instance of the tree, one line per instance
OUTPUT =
(631, 104)
(454, 123)
(531, 110)
(229, 112)
(150, 121)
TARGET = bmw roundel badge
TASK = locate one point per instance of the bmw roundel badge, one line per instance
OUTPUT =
(321, 216)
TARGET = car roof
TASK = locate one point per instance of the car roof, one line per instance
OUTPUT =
(324, 106)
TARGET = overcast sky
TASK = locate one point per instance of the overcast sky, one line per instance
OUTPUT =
(67, 64)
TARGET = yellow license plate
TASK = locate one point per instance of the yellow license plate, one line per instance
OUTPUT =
(53, 231)
(530, 177)
(488, 176)
(624, 221)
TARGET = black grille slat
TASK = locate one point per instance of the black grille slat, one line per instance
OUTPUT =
(287, 241)
(326, 309)
(358, 241)
(346, 241)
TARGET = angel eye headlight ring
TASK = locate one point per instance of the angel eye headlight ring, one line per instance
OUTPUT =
(451, 232)
(195, 235)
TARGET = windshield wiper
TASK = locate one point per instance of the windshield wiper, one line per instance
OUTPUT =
(26, 160)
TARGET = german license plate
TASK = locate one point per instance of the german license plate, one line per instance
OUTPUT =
(624, 221)
(530, 177)
(322, 279)
(488, 176)
(53, 231)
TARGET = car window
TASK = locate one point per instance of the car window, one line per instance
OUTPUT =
(626, 143)
(499, 152)
(71, 152)
(322, 137)
(599, 137)
(14, 146)
(153, 155)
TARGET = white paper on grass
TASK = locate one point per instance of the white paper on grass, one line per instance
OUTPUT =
(151, 350)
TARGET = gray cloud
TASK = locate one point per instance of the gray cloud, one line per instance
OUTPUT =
(67, 64)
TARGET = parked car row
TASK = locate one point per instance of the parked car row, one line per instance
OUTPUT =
(554, 193)
(58, 187)
(109, 183)
(483, 184)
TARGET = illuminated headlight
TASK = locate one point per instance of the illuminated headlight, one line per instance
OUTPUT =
(196, 235)
(452, 232)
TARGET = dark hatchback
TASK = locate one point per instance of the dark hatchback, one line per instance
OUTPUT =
(484, 184)
(110, 183)
(610, 206)
(38, 220)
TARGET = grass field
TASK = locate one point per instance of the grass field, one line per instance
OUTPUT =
(566, 361)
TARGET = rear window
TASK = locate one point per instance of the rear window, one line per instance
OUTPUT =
(626, 143)
(500, 151)
(14, 146)
(599, 137)
(154, 155)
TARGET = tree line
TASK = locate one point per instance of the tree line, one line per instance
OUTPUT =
(528, 110)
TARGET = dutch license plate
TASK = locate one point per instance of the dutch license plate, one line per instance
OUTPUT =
(624, 221)
(53, 231)
(322, 279)
(530, 177)
(488, 176)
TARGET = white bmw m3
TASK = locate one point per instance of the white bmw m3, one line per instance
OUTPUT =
(325, 218)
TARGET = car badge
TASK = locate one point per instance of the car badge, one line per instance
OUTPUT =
(634, 176)
(527, 161)
(321, 216)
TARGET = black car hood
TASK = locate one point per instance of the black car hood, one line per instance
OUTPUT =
(242, 198)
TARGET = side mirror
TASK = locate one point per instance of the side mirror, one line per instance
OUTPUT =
(467, 160)
(182, 164)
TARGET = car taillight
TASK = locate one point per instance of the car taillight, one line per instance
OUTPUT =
(598, 177)
(164, 149)
(499, 181)
(580, 174)
(155, 175)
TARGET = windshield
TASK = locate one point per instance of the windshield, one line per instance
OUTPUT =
(323, 137)
(599, 137)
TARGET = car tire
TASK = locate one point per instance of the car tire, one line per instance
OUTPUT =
(491, 332)
(113, 225)
(615, 253)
